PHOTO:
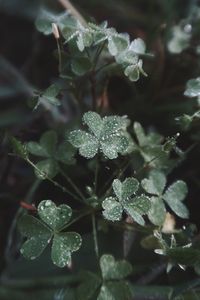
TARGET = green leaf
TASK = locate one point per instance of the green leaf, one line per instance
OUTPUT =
(193, 88)
(46, 18)
(185, 121)
(63, 246)
(141, 204)
(179, 41)
(94, 122)
(119, 290)
(70, 29)
(136, 216)
(117, 43)
(19, 148)
(155, 184)
(38, 236)
(174, 195)
(140, 134)
(107, 135)
(125, 189)
(46, 147)
(65, 153)
(184, 255)
(138, 46)
(178, 207)
(114, 145)
(46, 168)
(178, 190)
(81, 65)
(132, 72)
(36, 149)
(157, 213)
(85, 39)
(114, 124)
(114, 270)
(55, 217)
(88, 288)
(48, 142)
(87, 143)
(39, 233)
(112, 209)
(50, 95)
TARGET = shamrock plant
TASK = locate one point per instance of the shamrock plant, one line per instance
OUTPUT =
(51, 154)
(111, 169)
(111, 284)
(125, 200)
(107, 135)
(192, 91)
(173, 196)
(150, 147)
(40, 232)
(126, 53)
(181, 255)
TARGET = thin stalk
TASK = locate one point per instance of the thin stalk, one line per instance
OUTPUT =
(59, 56)
(98, 53)
(84, 214)
(53, 181)
(146, 165)
(115, 174)
(43, 282)
(104, 66)
(28, 199)
(131, 227)
(96, 175)
(93, 76)
(94, 230)
(73, 185)
(93, 89)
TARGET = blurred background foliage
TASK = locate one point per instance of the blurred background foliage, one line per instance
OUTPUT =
(28, 63)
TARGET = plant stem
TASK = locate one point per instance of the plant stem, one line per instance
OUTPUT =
(85, 213)
(94, 230)
(93, 75)
(28, 199)
(131, 227)
(115, 174)
(73, 185)
(52, 181)
(98, 53)
(96, 175)
(93, 89)
(59, 56)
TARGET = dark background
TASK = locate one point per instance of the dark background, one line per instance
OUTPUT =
(27, 63)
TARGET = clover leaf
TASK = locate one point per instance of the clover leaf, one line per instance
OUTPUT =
(111, 284)
(107, 135)
(150, 147)
(51, 154)
(193, 87)
(179, 41)
(123, 201)
(172, 196)
(82, 34)
(181, 255)
(46, 18)
(40, 232)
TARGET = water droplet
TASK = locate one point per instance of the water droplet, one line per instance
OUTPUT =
(48, 203)
(188, 28)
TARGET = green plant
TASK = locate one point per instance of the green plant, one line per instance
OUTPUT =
(133, 197)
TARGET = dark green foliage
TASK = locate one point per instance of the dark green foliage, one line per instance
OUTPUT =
(116, 150)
